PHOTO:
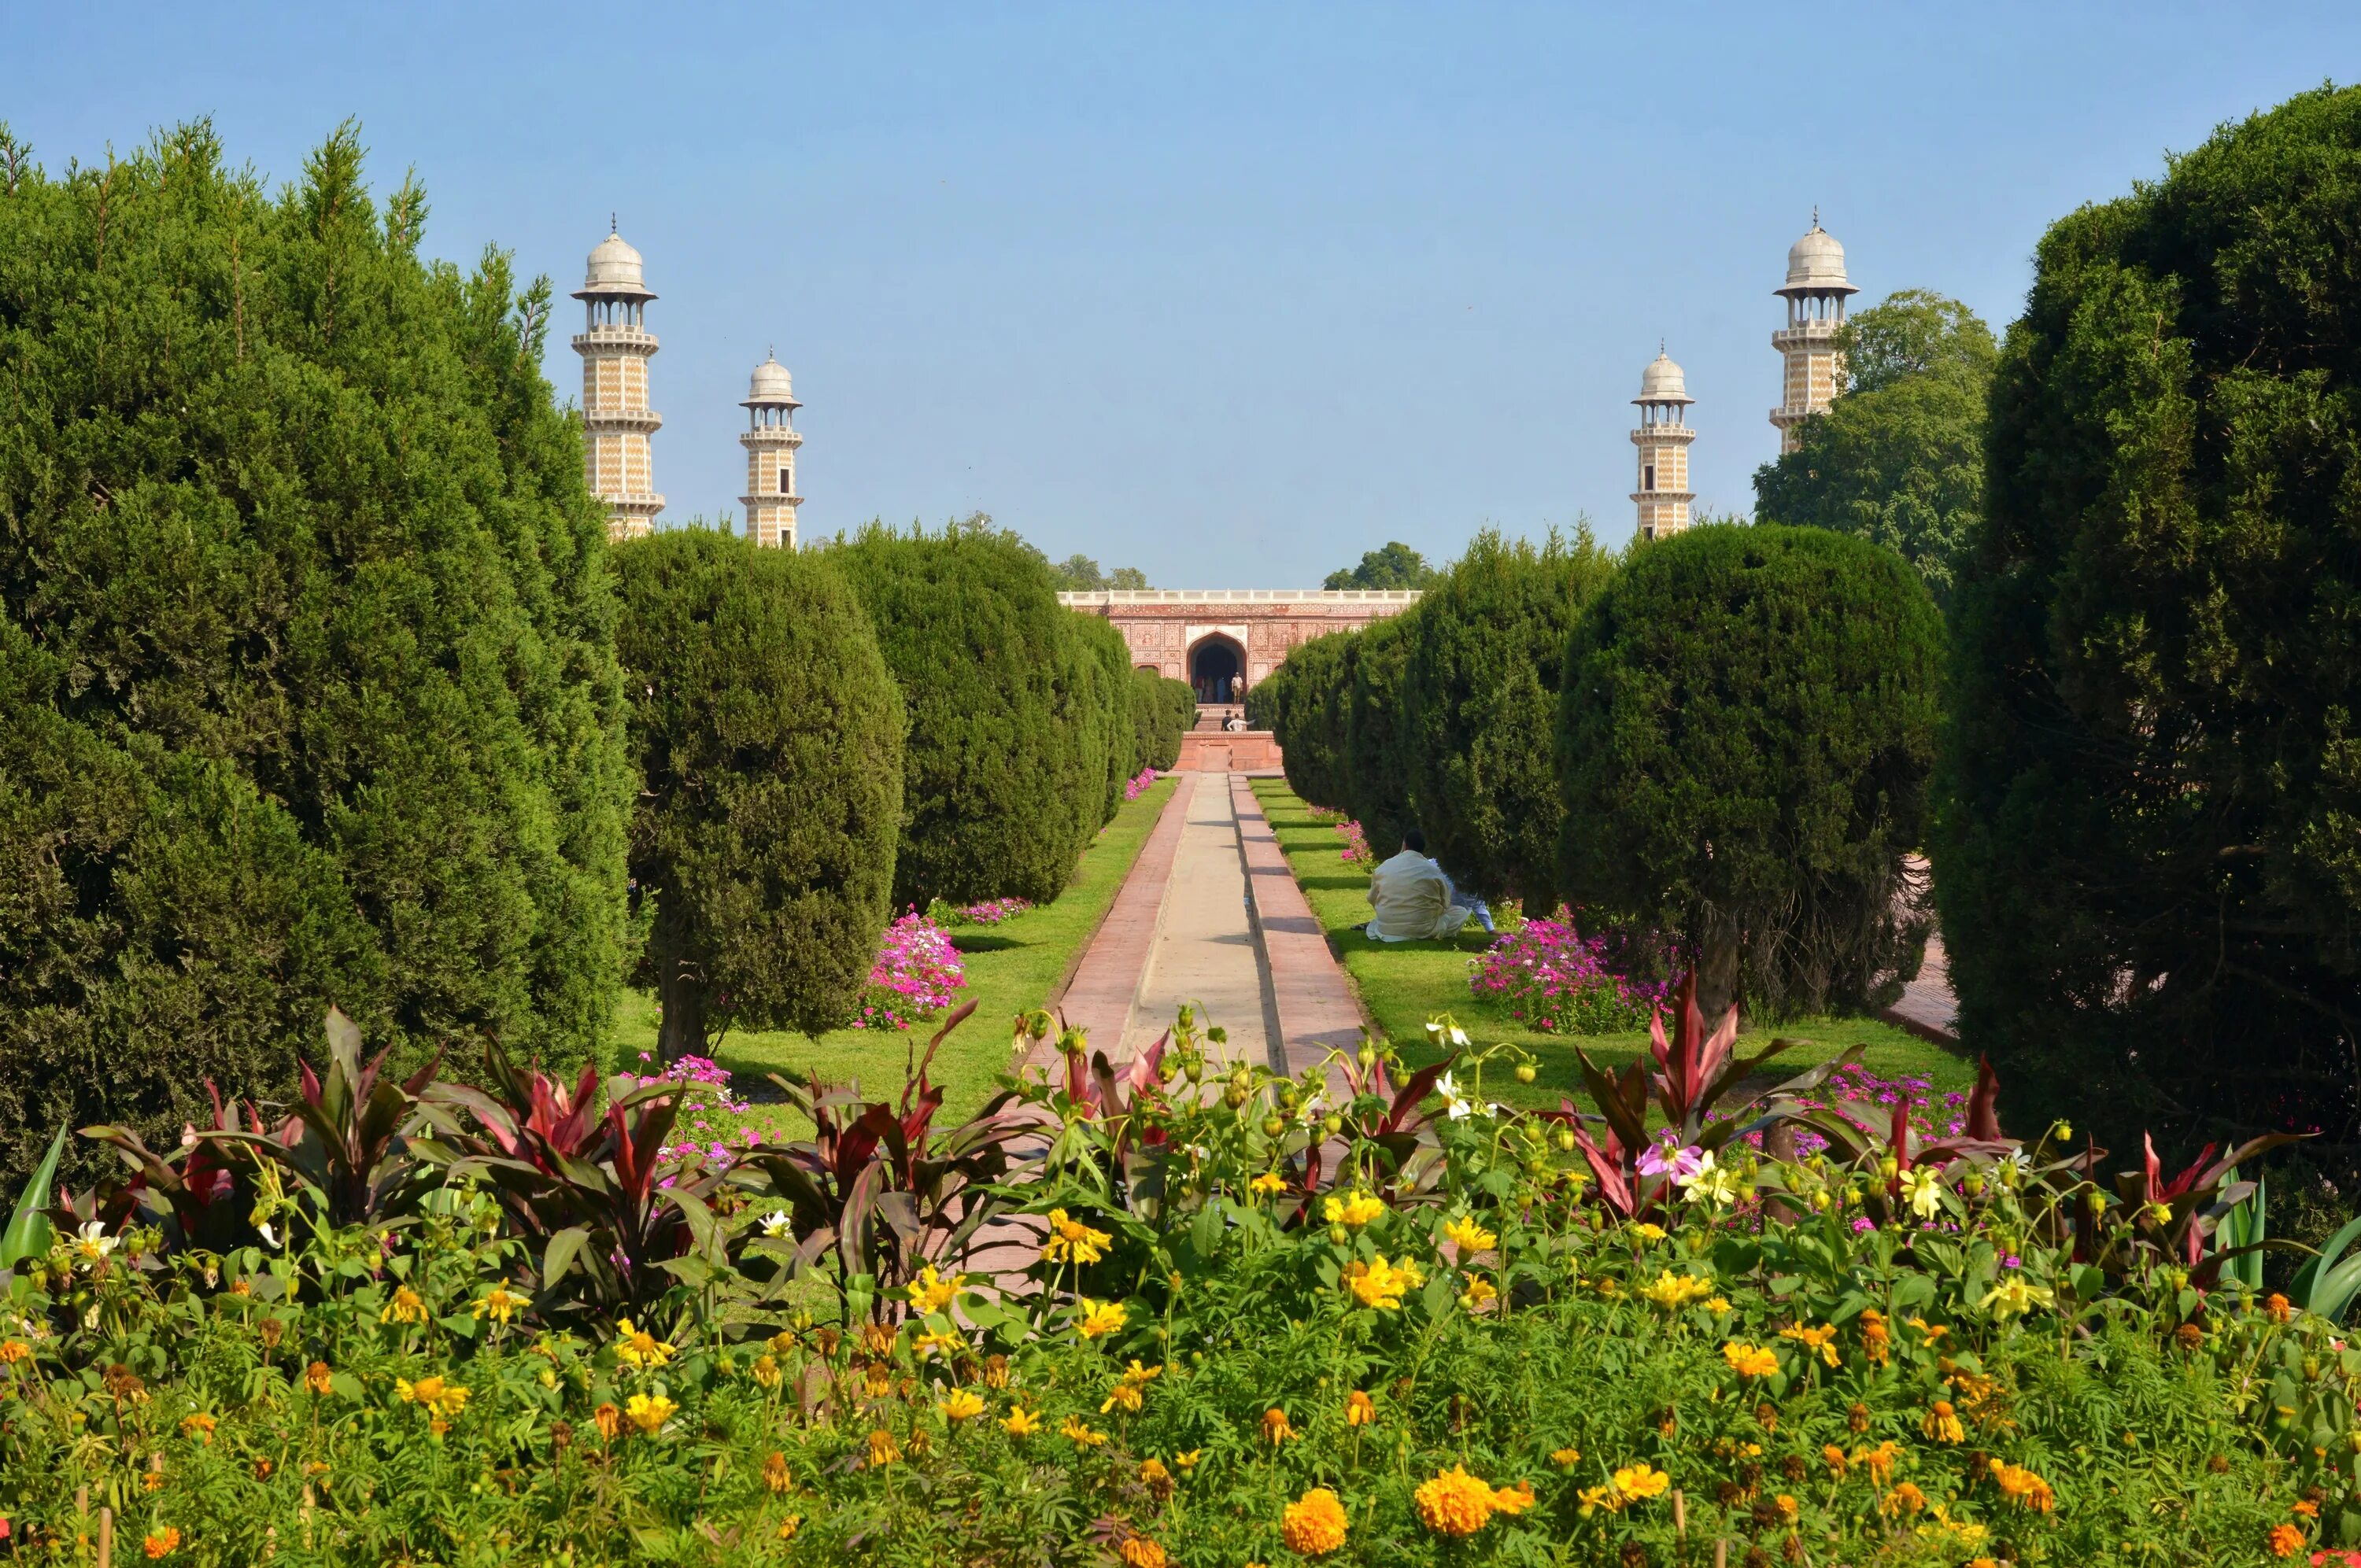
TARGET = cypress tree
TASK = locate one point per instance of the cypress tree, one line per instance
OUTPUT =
(1157, 718)
(1111, 720)
(1479, 710)
(307, 679)
(2148, 851)
(1746, 726)
(1001, 789)
(1308, 717)
(769, 738)
(1377, 749)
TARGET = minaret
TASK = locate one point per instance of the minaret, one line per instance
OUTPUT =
(1664, 438)
(770, 440)
(616, 418)
(1815, 292)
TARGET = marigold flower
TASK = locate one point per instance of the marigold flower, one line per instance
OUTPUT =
(1126, 1394)
(1470, 1237)
(1906, 1499)
(1942, 1424)
(995, 1371)
(927, 1344)
(1875, 1337)
(2023, 1488)
(637, 1348)
(1748, 1360)
(1070, 1241)
(1274, 1427)
(1820, 1342)
(1933, 1331)
(1455, 1503)
(883, 1449)
(1647, 1232)
(767, 1375)
(1360, 1410)
(405, 1307)
(1673, 1291)
(1836, 1460)
(2307, 1508)
(1513, 1501)
(1141, 1553)
(1096, 1319)
(961, 1405)
(315, 1377)
(649, 1412)
(1718, 1305)
(1379, 1284)
(1080, 1431)
(440, 1397)
(1565, 1458)
(1479, 1293)
(931, 1292)
(201, 1425)
(1788, 1508)
(1021, 1422)
(1156, 1478)
(775, 1471)
(608, 1419)
(1188, 1461)
(2284, 1541)
(161, 1543)
(2279, 1311)
(1314, 1524)
(1270, 1184)
(788, 1526)
(1880, 1460)
(499, 1303)
(1354, 1212)
(14, 1352)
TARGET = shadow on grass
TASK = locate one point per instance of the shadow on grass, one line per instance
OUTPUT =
(986, 942)
(1351, 879)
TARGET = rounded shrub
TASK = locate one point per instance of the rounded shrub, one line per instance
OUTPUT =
(1113, 722)
(1377, 758)
(1308, 720)
(1001, 788)
(307, 677)
(1479, 710)
(769, 738)
(1157, 719)
(1746, 726)
(2148, 853)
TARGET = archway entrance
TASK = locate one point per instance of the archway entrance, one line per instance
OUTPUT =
(1214, 665)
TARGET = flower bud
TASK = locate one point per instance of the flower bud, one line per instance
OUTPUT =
(1331, 1124)
(1565, 1139)
(1366, 1057)
(1525, 1072)
(1272, 1126)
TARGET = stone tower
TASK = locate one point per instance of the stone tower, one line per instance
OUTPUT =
(770, 440)
(1815, 292)
(1663, 438)
(616, 421)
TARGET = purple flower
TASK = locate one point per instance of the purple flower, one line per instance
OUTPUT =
(1665, 1158)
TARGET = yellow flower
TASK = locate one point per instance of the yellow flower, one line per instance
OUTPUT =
(649, 1412)
(439, 1397)
(498, 1304)
(883, 1449)
(1631, 1483)
(1479, 1293)
(1749, 1361)
(1836, 1458)
(1140, 1376)
(1138, 1551)
(1470, 1237)
(1673, 1291)
(637, 1348)
(1099, 1318)
(1379, 1284)
(2014, 1298)
(1127, 1395)
(1188, 1461)
(405, 1307)
(2284, 1541)
(1719, 1305)
(2023, 1488)
(929, 1342)
(1020, 1422)
(1933, 1331)
(1070, 1241)
(1875, 1337)
(788, 1526)
(1906, 1499)
(1455, 1503)
(1788, 1508)
(960, 1406)
(1942, 1424)
(1314, 1524)
(315, 1378)
(15, 1352)
(930, 1292)
(1880, 1460)
(201, 1425)
(608, 1419)
(1354, 1212)
(1274, 1427)
(1647, 1232)
(775, 1471)
(1513, 1501)
(766, 1372)
(1360, 1410)
(1080, 1431)
(1566, 1458)
(1270, 1184)
(1820, 1341)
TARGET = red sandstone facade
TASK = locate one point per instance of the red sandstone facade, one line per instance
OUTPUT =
(1207, 636)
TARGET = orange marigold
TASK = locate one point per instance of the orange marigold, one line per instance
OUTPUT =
(161, 1543)
(1274, 1427)
(1313, 1525)
(1360, 1409)
(1455, 1503)
(1513, 1501)
(1141, 1553)
(2285, 1540)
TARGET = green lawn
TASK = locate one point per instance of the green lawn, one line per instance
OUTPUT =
(1011, 967)
(1404, 983)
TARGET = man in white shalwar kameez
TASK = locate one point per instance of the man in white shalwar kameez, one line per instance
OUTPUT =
(1412, 900)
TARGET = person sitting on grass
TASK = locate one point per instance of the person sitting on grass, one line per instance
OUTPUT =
(1413, 901)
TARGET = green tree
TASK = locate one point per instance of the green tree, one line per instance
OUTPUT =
(1306, 715)
(1002, 789)
(1377, 754)
(1079, 573)
(1162, 711)
(307, 678)
(769, 738)
(1395, 566)
(2148, 851)
(1112, 724)
(1746, 726)
(1479, 699)
(1899, 457)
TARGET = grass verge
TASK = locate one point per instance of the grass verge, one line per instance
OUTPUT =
(1403, 984)
(1011, 967)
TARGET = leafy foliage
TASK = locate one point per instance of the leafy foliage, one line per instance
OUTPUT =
(1303, 704)
(2148, 851)
(769, 738)
(1899, 459)
(1480, 704)
(1079, 573)
(1162, 710)
(307, 681)
(1376, 755)
(1747, 726)
(1111, 720)
(1395, 566)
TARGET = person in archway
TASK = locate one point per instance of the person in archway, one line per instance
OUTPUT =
(1412, 899)
(1237, 688)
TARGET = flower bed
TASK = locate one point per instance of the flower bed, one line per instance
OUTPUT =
(1139, 785)
(1556, 981)
(917, 973)
(991, 912)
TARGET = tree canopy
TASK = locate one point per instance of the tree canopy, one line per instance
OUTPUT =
(1079, 573)
(2148, 855)
(1395, 566)
(308, 691)
(1899, 459)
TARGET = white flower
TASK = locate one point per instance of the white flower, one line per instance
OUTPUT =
(1924, 1186)
(1459, 1035)
(1452, 1101)
(1312, 1109)
(94, 1243)
(774, 1223)
(269, 1236)
(1710, 1182)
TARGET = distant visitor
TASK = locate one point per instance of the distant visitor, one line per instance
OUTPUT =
(1412, 900)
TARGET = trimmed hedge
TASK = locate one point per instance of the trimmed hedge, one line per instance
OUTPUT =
(1746, 727)
(1002, 786)
(1158, 717)
(1113, 723)
(2149, 853)
(1479, 698)
(1306, 717)
(769, 738)
(1377, 763)
(307, 677)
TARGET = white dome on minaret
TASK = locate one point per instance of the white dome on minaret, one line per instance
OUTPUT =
(771, 441)
(771, 384)
(617, 419)
(1664, 496)
(1662, 382)
(614, 271)
(1812, 364)
(1815, 264)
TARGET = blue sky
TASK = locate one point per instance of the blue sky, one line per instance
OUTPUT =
(1231, 293)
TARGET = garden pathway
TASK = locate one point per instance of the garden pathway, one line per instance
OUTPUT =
(1204, 954)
